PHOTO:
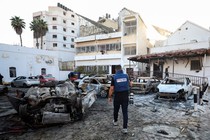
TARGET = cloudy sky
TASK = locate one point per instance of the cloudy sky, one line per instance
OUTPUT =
(167, 14)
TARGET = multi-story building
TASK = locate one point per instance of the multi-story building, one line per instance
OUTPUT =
(123, 38)
(186, 52)
(62, 30)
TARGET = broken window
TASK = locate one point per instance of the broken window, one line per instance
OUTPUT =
(54, 18)
(54, 27)
(66, 66)
(43, 71)
(195, 65)
(130, 27)
(55, 45)
(54, 36)
(130, 50)
(12, 71)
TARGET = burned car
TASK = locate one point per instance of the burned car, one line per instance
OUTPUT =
(100, 84)
(61, 103)
(175, 88)
(145, 85)
(3, 89)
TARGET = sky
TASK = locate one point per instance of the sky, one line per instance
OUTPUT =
(167, 14)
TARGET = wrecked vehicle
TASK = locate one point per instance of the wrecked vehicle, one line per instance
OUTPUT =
(3, 89)
(60, 103)
(175, 88)
(145, 85)
(100, 84)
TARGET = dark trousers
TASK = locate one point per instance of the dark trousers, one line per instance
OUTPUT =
(121, 99)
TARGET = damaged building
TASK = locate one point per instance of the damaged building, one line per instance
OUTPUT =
(186, 52)
(109, 42)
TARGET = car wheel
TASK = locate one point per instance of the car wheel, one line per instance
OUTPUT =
(104, 93)
(24, 85)
(154, 90)
(12, 85)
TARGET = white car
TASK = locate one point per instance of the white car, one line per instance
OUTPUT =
(175, 88)
(24, 81)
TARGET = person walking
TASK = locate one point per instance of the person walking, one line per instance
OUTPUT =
(1, 77)
(120, 87)
(166, 72)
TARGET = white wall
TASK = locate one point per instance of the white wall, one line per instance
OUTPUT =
(29, 61)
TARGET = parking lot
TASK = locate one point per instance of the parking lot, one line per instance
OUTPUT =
(149, 118)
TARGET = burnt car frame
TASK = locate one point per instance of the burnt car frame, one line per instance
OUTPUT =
(61, 103)
(100, 84)
(175, 88)
(145, 85)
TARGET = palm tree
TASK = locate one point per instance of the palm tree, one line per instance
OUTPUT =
(35, 28)
(43, 29)
(39, 26)
(18, 24)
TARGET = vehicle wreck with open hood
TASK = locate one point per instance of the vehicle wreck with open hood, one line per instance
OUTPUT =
(60, 103)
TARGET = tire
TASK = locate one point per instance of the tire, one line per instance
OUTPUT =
(12, 85)
(154, 90)
(24, 85)
(104, 93)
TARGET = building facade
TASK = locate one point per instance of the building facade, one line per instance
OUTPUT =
(105, 50)
(186, 52)
(62, 30)
(22, 61)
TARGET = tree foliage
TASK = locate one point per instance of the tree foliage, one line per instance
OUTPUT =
(39, 27)
(18, 24)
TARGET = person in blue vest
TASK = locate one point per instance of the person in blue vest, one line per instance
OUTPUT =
(120, 88)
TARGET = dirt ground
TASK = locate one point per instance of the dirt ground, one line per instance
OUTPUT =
(149, 119)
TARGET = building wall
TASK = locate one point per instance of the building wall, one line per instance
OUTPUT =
(139, 39)
(188, 37)
(71, 26)
(97, 58)
(29, 61)
(188, 33)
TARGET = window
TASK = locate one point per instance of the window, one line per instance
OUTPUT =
(72, 39)
(54, 44)
(64, 21)
(54, 36)
(64, 45)
(72, 31)
(12, 72)
(148, 50)
(64, 38)
(64, 13)
(54, 18)
(72, 16)
(66, 66)
(54, 27)
(64, 29)
(72, 46)
(130, 50)
(130, 27)
(195, 65)
(72, 23)
(43, 71)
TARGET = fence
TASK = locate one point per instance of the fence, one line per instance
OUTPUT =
(196, 80)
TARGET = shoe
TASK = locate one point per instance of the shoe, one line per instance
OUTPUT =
(124, 130)
(115, 123)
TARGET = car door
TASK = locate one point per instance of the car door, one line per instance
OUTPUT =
(94, 84)
(19, 81)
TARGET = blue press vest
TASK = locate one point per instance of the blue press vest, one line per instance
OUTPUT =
(121, 82)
